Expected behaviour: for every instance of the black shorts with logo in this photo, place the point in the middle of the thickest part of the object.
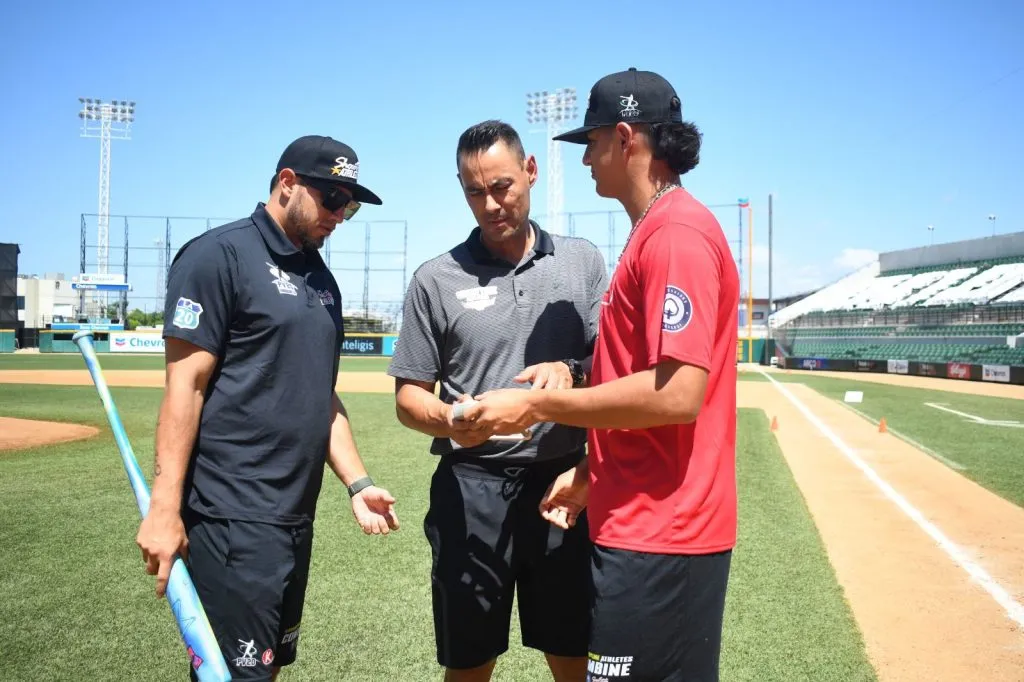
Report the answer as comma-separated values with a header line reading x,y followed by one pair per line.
x,y
251,579
488,540
656,617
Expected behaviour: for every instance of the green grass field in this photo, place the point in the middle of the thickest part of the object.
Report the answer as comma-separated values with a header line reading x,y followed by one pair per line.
x,y
77,603
989,455
147,361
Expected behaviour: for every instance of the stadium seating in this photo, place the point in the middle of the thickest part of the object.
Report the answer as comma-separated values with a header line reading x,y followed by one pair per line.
x,y
999,329
922,352
940,314
993,282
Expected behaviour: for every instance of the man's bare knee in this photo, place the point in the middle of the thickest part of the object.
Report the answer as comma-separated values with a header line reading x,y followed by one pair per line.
x,y
567,668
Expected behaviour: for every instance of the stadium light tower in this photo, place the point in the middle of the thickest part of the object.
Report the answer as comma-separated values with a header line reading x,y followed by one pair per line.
x,y
555,109
107,121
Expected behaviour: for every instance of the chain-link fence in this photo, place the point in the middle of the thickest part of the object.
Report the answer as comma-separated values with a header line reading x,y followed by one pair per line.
x,y
368,258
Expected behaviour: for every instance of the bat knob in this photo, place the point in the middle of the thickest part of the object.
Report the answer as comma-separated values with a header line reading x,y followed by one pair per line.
x,y
459,409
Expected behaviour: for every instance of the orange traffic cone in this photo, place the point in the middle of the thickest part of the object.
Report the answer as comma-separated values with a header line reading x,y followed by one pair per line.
x,y
775,424
882,428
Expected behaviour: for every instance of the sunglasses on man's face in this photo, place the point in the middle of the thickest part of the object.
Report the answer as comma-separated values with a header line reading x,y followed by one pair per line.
x,y
334,198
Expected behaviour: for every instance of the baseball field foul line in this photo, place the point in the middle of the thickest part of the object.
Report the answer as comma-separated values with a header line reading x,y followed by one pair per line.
x,y
1014,610
907,439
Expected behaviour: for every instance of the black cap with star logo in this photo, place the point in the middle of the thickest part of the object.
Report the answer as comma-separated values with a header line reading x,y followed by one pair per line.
x,y
324,158
629,96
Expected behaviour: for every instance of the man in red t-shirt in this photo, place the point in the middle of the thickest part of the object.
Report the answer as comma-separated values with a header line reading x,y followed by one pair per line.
x,y
661,407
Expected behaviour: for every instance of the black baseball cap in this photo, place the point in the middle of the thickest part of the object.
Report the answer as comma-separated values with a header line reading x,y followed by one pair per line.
x,y
629,96
326,159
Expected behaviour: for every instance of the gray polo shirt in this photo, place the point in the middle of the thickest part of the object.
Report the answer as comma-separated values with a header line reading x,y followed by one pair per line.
x,y
475,321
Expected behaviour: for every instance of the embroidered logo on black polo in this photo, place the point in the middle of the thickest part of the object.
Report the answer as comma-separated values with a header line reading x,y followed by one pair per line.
x,y
282,281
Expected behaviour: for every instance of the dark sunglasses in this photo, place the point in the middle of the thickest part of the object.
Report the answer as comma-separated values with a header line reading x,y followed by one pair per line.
x,y
333,197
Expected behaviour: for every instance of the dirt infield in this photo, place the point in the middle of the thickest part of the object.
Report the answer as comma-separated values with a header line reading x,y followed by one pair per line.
x,y
17,434
354,382
921,614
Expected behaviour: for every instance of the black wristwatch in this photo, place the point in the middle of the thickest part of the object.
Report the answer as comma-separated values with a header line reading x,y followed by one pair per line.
x,y
359,485
579,375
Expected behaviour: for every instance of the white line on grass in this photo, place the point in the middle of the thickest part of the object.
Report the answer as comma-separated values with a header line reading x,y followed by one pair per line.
x,y
976,419
907,439
1013,608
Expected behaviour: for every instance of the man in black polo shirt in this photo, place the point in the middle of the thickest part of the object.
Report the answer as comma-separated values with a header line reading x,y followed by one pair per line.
x,y
512,306
253,333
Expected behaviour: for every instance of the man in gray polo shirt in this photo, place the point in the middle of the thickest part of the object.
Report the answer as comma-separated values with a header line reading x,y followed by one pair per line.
x,y
512,306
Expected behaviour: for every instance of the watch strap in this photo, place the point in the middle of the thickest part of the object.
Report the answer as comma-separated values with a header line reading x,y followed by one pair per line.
x,y
359,485
576,370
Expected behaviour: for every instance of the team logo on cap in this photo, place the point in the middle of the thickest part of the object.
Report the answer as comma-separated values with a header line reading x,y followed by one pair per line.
x,y
630,107
677,311
345,169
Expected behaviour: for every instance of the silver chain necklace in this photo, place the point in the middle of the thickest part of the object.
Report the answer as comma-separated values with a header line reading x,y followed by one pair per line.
x,y
661,192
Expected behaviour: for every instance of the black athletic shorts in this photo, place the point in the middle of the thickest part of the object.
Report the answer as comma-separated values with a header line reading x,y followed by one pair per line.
x,y
251,579
656,617
487,540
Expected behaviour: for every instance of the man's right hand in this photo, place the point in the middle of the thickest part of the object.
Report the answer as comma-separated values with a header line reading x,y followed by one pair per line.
x,y
466,433
161,537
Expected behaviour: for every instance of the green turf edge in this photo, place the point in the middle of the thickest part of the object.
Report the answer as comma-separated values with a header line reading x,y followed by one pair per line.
x,y
786,616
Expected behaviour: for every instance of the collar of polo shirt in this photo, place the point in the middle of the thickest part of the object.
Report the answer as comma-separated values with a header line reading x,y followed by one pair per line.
x,y
273,235
542,244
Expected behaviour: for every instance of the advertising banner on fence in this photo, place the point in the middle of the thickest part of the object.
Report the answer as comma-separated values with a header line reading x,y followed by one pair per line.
x,y
369,344
928,369
361,345
899,367
958,370
865,365
813,363
995,373
135,342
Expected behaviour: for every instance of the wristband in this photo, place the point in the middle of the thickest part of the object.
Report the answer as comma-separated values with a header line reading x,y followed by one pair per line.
x,y
359,485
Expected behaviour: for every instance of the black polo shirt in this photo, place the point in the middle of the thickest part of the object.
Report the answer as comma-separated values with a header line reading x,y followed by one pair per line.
x,y
271,313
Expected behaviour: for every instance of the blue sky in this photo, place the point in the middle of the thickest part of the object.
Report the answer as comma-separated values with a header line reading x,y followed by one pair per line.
x,y
867,121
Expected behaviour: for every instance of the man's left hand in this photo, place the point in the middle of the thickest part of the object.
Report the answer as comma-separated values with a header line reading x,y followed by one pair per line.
x,y
504,411
549,375
374,509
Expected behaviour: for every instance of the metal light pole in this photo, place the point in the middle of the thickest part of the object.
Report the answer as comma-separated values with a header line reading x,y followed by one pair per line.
x,y
107,121
931,234
161,274
992,219
555,108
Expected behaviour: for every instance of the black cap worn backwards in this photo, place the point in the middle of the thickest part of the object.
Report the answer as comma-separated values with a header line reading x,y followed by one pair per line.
x,y
629,97
326,159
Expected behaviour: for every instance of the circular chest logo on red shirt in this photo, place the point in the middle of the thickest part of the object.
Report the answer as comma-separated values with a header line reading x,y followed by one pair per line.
x,y
678,310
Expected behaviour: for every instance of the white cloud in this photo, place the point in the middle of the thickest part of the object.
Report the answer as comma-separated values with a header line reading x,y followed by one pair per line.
x,y
852,259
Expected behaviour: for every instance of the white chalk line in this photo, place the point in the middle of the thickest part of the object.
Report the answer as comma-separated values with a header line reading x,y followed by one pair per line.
x,y
975,418
1014,610
907,439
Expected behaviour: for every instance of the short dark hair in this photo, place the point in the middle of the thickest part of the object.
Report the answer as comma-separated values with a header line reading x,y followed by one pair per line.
x,y
482,136
273,183
677,144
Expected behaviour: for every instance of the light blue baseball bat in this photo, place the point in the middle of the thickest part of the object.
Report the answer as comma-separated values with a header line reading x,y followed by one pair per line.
x,y
204,653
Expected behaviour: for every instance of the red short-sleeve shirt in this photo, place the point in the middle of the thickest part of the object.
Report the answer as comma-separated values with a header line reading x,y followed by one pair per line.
x,y
674,295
